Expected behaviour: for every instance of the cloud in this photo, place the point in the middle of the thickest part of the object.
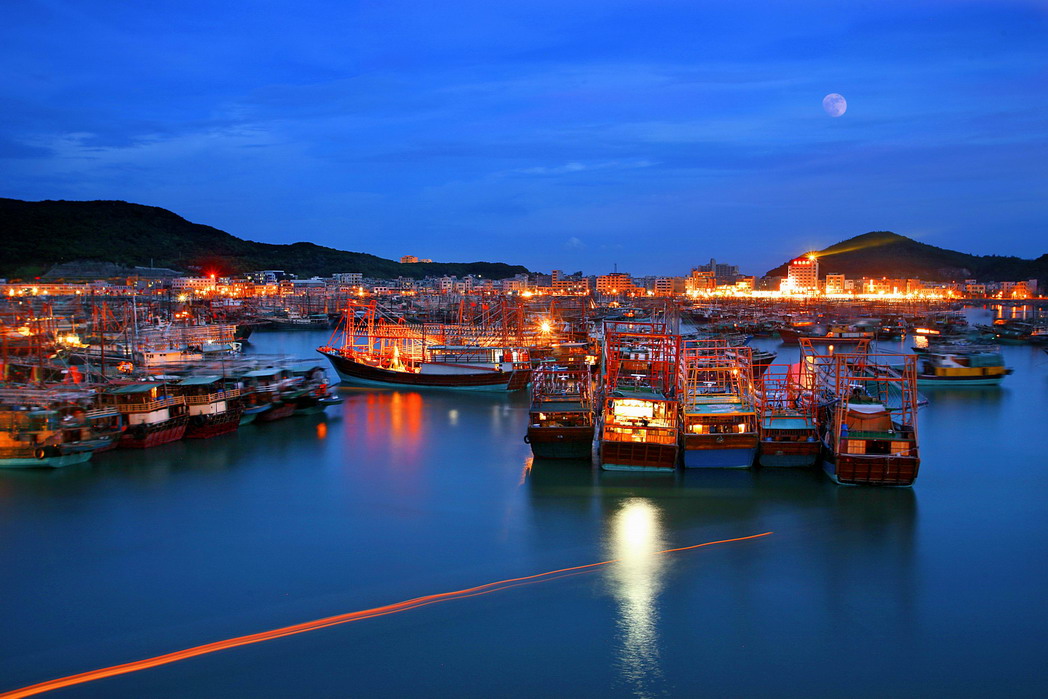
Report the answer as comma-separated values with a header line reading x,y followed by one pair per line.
x,y
573,243
575,166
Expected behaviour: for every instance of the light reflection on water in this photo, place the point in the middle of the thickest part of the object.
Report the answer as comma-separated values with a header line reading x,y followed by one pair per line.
x,y
634,537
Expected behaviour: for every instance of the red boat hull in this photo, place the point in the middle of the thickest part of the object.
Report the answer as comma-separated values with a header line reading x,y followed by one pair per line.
x,y
355,373
154,435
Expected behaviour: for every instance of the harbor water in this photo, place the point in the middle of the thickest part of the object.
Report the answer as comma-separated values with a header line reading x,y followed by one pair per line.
x,y
395,495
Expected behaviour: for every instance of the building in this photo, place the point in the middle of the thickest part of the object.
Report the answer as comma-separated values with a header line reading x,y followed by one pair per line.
x,y
614,283
835,283
350,278
700,280
803,275
721,272
408,260
669,286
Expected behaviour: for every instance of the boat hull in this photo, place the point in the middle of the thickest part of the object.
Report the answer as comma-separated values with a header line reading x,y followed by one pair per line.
x,y
276,412
214,426
561,442
789,454
959,380
792,337
357,374
638,456
846,469
48,461
720,451
154,435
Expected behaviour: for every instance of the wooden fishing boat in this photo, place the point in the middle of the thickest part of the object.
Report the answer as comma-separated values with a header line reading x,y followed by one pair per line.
x,y
640,414
789,435
868,417
838,334
719,415
214,408
381,352
560,424
48,428
152,413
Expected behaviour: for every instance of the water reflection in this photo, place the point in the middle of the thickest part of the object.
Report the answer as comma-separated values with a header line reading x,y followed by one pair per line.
x,y
635,535
390,418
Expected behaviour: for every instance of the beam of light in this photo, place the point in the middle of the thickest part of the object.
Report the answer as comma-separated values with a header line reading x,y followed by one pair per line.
x,y
407,605
865,245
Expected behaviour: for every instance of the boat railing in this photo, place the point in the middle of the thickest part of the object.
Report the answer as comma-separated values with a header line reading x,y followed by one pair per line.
x,y
152,405
213,397
98,413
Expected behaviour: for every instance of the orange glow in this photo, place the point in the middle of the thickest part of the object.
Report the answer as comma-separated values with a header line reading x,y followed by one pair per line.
x,y
321,430
407,605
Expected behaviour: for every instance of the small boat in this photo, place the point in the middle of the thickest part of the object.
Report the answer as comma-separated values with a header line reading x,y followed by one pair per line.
x,y
560,424
316,393
269,393
957,366
42,428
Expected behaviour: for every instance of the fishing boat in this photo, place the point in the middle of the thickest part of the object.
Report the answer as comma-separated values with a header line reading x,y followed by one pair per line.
x,y
789,435
719,415
560,424
639,421
269,393
316,392
42,428
868,417
383,352
214,408
973,365
839,334
153,414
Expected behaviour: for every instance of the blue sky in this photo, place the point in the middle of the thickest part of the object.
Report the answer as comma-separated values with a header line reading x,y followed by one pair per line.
x,y
575,135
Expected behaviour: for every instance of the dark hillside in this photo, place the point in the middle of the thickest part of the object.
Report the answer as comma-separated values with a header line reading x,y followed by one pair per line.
x,y
37,235
885,254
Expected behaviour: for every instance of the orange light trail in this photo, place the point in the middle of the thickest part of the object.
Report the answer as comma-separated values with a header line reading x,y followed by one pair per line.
x,y
407,605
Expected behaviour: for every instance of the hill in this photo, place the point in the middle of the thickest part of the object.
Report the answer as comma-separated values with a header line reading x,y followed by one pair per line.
x,y
886,254
34,236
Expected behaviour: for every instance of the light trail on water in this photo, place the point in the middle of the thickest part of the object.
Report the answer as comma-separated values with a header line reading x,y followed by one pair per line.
x,y
407,605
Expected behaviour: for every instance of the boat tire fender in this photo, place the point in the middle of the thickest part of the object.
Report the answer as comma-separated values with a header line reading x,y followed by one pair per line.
x,y
527,439
40,453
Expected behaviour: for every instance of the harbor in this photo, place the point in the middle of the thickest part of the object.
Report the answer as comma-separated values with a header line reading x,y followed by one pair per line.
x,y
398,493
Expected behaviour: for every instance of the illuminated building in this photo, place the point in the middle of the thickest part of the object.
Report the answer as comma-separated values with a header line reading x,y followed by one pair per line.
x,y
614,283
835,283
701,280
803,274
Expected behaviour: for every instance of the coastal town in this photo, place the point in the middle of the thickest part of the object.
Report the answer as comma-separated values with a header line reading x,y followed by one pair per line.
x,y
807,277
637,374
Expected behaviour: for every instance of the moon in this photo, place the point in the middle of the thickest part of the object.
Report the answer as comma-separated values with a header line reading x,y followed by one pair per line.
x,y
834,104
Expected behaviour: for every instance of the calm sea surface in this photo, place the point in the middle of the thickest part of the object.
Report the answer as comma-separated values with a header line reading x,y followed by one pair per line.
x,y
931,591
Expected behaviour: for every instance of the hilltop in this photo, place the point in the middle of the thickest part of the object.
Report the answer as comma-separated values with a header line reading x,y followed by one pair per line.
x,y
34,236
886,254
